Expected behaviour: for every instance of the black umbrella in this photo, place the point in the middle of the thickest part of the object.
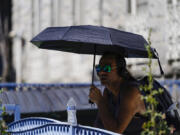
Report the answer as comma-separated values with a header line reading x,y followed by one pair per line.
x,y
95,40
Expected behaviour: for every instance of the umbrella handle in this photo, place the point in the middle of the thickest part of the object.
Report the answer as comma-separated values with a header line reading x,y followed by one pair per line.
x,y
94,59
90,102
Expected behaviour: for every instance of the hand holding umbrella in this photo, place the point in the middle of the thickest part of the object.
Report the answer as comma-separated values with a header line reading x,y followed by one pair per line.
x,y
95,95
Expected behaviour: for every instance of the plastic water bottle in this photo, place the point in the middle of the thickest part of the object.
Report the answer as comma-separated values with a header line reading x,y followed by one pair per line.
x,y
71,111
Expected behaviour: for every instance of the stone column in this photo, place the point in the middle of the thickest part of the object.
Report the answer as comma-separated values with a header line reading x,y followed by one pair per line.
x,y
133,7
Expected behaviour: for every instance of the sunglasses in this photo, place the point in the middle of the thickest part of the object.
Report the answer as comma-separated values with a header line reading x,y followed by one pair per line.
x,y
105,68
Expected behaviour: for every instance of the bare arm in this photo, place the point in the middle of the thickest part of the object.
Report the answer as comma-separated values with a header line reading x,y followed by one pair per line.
x,y
98,119
127,109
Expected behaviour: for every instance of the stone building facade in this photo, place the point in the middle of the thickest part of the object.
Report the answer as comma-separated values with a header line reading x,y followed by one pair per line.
x,y
138,16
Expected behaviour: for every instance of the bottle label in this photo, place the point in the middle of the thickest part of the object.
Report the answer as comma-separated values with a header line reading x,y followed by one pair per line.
x,y
71,107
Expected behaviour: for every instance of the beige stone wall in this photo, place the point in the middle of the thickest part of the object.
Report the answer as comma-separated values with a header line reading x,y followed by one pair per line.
x,y
44,66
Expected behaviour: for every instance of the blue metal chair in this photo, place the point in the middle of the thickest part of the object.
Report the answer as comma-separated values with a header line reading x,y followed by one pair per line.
x,y
48,129
44,126
29,123
11,108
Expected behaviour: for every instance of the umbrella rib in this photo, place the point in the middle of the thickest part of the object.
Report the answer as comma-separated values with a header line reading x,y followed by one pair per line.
x,y
66,32
110,36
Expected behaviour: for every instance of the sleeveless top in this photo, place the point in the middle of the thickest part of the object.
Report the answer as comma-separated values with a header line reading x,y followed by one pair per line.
x,y
135,126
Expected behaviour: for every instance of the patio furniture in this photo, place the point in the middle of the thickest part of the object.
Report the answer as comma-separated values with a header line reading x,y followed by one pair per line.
x,y
29,123
45,126
11,108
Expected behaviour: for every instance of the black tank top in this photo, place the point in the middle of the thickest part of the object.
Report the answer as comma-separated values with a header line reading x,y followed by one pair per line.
x,y
135,126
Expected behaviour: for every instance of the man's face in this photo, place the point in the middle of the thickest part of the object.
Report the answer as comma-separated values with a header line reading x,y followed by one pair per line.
x,y
106,77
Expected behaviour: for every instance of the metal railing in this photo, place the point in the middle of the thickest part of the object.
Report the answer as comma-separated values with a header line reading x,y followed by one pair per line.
x,y
171,86
20,86
25,86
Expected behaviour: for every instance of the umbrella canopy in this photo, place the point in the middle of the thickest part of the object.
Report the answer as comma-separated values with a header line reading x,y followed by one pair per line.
x,y
89,39
97,40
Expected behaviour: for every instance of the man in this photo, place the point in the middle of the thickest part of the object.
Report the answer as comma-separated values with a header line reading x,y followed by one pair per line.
x,y
120,108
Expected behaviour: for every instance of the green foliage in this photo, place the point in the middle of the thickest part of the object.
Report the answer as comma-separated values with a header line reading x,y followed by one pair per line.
x,y
156,124
3,126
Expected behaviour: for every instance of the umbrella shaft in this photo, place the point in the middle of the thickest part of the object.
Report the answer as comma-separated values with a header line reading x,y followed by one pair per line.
x,y
94,60
93,69
92,83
